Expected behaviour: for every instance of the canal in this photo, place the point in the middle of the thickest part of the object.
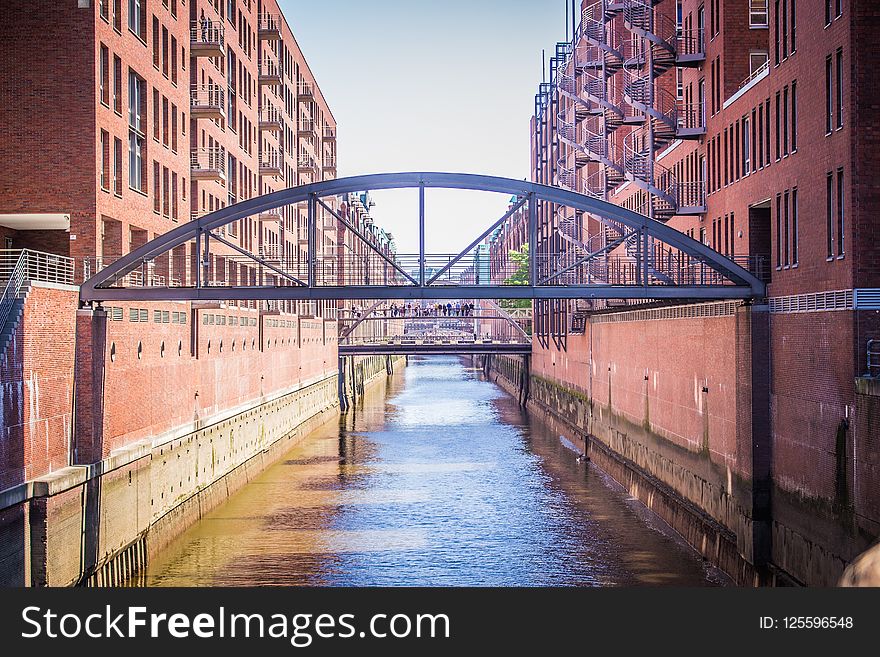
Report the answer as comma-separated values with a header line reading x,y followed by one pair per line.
x,y
436,478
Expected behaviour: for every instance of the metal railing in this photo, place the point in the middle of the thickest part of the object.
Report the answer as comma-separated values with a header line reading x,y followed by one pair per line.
x,y
304,88
329,132
269,69
270,114
207,96
269,22
207,33
39,266
757,73
19,266
208,159
306,161
329,161
873,357
271,159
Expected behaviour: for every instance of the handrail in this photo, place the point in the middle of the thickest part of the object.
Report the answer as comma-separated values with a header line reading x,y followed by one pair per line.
x,y
873,351
12,290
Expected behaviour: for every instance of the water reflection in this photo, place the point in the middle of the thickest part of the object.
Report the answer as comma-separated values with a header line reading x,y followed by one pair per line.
x,y
437,478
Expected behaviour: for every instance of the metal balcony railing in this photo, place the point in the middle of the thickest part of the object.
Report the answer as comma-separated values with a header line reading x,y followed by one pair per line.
x,y
306,161
269,26
271,117
207,98
329,132
271,160
304,89
269,72
307,125
207,37
208,160
329,161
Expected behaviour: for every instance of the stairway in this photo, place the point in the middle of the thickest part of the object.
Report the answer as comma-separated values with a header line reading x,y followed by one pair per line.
x,y
7,331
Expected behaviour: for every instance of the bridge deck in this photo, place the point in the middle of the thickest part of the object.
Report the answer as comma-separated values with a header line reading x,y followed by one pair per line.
x,y
444,347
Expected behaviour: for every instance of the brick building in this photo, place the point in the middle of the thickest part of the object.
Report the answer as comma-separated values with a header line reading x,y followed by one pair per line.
x,y
748,125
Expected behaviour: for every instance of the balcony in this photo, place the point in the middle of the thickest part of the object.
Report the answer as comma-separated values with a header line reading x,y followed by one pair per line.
x,y
329,132
691,197
271,163
207,39
208,163
271,119
207,101
305,163
304,90
307,128
270,74
329,161
272,214
269,27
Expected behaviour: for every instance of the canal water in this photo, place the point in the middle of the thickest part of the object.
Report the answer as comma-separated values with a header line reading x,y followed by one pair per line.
x,y
436,478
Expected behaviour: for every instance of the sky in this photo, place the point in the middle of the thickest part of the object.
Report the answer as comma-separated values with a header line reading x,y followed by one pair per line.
x,y
447,85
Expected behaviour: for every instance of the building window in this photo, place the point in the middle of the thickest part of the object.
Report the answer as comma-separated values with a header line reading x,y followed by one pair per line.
x,y
840,249
117,15
157,189
838,8
746,151
794,111
701,28
166,189
776,33
174,127
829,99
156,57
778,231
785,121
757,13
104,75
117,85
137,90
117,166
173,196
793,24
778,150
786,244
784,29
767,157
757,59
794,228
105,160
165,58
827,13
829,214
104,10
137,19
839,96
758,135
165,121
173,61
157,113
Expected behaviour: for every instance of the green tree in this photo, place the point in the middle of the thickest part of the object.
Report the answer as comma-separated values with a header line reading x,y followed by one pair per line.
x,y
519,277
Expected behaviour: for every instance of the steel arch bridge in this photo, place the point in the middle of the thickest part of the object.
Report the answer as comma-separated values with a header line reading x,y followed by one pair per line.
x,y
644,259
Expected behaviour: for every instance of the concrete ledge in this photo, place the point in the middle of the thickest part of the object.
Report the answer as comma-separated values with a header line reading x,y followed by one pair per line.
x,y
61,480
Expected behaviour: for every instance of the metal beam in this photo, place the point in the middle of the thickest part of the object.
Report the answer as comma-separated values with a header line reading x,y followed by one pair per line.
x,y
313,240
257,259
354,230
326,293
482,236
367,313
579,202
421,234
438,348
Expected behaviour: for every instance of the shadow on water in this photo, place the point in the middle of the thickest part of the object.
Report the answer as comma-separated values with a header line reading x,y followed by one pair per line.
x,y
435,477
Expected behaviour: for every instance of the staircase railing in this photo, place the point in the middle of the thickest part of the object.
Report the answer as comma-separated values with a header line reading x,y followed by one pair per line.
x,y
12,289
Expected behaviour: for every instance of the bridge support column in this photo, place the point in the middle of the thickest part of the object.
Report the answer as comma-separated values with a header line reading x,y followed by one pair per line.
x,y
524,380
754,444
389,366
91,342
340,385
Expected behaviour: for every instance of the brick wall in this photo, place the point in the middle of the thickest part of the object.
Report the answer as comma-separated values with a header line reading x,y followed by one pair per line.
x,y
37,388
